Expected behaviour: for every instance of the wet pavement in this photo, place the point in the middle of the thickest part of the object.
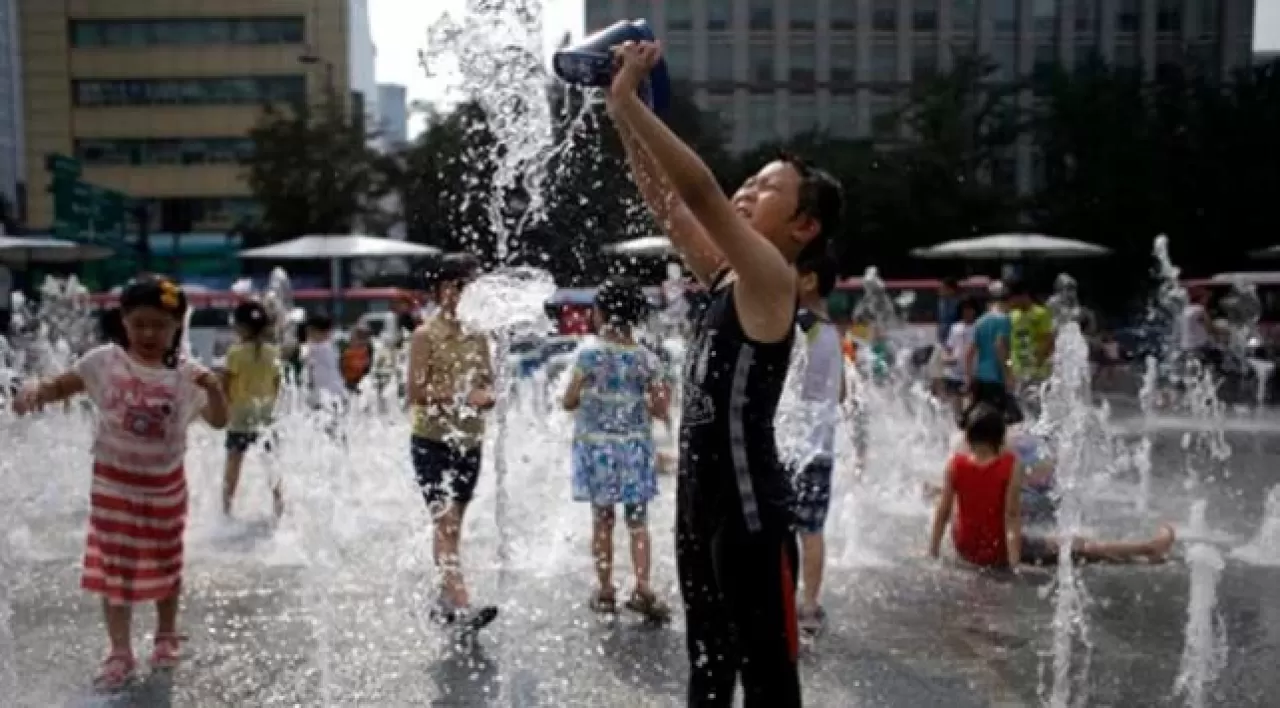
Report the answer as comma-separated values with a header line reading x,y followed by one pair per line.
x,y
330,608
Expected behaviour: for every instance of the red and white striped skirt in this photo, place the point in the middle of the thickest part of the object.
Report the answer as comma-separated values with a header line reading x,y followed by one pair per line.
x,y
136,522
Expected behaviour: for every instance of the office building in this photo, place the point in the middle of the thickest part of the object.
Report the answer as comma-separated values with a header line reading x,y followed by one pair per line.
x,y
156,97
363,56
771,68
12,177
393,106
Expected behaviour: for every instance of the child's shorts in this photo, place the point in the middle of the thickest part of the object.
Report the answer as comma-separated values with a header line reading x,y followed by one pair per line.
x,y
241,440
447,474
812,495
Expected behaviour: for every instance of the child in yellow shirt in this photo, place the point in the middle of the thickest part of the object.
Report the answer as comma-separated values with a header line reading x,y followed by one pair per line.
x,y
251,379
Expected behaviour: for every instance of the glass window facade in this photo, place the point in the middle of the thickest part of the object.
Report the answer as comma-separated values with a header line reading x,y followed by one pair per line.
x,y
679,57
802,116
843,120
1044,17
924,59
760,15
804,14
187,32
1088,15
803,62
1128,15
212,91
924,15
760,63
679,15
843,15
1004,15
964,16
1210,16
121,152
1169,16
844,60
719,14
761,124
884,62
207,212
720,60
884,15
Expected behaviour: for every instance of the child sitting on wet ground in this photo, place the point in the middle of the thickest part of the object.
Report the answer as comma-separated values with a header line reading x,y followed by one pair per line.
x,y
616,391
985,481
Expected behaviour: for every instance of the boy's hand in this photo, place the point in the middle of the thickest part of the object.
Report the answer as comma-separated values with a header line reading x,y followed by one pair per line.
x,y
481,398
28,399
634,61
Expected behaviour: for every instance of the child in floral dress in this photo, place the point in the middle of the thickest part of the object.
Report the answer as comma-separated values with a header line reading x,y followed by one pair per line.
x,y
616,391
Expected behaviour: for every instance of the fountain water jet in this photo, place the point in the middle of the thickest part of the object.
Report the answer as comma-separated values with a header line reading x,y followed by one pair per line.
x,y
1204,652
1067,414
1264,547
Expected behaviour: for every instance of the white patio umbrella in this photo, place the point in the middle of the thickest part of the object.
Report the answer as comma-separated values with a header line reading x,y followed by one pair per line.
x,y
337,248
24,250
643,247
1012,246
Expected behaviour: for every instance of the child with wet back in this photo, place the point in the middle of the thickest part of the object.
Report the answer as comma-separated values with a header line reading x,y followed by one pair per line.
x,y
985,481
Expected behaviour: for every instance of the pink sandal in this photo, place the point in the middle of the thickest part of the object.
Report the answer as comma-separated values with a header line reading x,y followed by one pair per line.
x,y
167,651
116,671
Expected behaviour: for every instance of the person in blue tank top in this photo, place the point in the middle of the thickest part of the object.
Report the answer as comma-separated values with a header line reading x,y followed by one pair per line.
x,y
987,371
735,539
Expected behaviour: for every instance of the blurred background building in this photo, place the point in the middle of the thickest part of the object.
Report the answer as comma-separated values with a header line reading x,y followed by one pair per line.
x,y
12,160
774,68
155,98
393,108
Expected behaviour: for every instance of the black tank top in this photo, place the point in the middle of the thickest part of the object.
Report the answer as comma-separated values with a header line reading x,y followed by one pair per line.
x,y
729,466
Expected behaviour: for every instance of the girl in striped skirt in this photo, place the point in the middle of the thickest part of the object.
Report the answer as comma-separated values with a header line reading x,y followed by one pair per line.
x,y
146,398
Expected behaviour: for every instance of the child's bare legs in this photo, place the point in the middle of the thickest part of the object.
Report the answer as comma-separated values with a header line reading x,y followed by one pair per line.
x,y
231,478
813,554
118,619
1154,549
167,615
638,526
447,557
602,549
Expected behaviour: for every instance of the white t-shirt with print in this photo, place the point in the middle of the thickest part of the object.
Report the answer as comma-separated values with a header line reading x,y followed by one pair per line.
x,y
959,339
143,411
323,371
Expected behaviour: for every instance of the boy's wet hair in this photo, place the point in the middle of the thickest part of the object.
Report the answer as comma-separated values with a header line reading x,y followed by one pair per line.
x,y
319,322
984,425
822,265
821,197
162,294
622,302
252,317
456,268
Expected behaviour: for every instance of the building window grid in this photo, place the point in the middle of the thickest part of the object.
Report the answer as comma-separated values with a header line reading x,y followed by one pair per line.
x,y
842,15
191,32
131,152
719,15
1169,19
924,16
842,116
1004,15
761,60
884,16
1128,16
208,91
803,62
843,69
803,14
964,17
760,17
720,60
802,113
679,15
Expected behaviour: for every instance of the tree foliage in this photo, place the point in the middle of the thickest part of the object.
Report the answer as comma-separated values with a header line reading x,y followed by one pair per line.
x,y
313,172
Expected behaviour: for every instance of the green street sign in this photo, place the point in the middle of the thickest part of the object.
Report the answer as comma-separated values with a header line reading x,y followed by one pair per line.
x,y
62,165
81,211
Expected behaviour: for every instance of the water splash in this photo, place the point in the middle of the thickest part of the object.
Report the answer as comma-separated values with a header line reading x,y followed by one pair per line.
x,y
1067,414
1204,653
1147,399
497,52
1264,547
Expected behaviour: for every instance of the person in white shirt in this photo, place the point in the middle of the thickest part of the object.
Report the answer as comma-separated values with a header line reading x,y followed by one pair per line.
x,y
327,393
959,338
1196,330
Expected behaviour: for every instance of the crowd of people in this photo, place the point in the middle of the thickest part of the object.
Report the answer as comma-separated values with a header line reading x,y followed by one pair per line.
x,y
750,513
